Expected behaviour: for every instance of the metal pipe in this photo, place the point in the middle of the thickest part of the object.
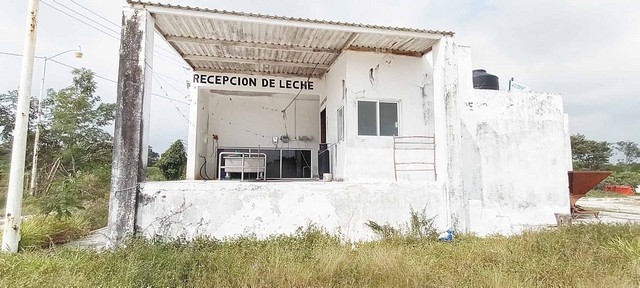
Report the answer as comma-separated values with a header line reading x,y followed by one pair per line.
x,y
11,232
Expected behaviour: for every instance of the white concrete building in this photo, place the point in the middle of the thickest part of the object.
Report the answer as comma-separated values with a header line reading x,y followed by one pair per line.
x,y
390,113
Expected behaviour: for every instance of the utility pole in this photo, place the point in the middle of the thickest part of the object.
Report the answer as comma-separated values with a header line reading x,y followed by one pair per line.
x,y
33,186
11,232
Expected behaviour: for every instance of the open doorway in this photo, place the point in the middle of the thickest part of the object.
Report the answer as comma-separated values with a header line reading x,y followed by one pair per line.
x,y
323,152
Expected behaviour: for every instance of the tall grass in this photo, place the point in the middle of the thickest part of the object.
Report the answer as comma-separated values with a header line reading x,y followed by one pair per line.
x,y
594,255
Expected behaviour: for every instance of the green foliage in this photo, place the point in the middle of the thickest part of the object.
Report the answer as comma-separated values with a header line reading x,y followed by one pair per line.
x,y
589,154
154,174
8,103
594,255
63,198
629,150
153,157
42,232
173,162
76,117
598,193
629,178
419,226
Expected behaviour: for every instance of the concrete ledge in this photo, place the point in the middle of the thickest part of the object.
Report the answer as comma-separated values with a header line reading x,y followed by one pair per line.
x,y
227,209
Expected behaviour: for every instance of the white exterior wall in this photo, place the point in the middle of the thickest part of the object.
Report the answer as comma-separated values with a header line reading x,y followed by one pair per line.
x,y
502,157
335,98
400,79
515,160
199,138
229,209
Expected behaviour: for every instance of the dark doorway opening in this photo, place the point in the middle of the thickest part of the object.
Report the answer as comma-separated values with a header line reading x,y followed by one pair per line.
x,y
323,152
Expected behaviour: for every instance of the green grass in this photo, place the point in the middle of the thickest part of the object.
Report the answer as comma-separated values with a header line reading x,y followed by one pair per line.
x,y
604,194
154,174
594,255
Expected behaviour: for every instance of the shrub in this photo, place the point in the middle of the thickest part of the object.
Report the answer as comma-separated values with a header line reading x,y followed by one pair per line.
x,y
42,231
63,199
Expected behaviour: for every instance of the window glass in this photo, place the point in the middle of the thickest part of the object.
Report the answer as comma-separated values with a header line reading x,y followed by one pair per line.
x,y
367,118
388,119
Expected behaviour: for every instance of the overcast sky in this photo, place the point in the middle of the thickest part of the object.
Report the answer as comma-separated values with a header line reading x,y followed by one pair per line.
x,y
588,51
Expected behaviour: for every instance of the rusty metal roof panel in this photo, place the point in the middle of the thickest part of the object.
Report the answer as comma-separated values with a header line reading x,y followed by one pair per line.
x,y
145,3
219,43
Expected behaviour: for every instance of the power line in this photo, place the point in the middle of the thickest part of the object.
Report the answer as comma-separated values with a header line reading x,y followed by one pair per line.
x,y
12,54
113,81
174,87
94,27
107,79
157,52
87,17
94,13
171,100
94,74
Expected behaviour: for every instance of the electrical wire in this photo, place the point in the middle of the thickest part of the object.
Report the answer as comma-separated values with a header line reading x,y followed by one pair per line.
x,y
82,21
284,111
88,18
94,13
169,84
171,100
116,34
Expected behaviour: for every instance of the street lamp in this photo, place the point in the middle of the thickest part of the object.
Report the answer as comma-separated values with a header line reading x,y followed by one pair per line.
x,y
34,167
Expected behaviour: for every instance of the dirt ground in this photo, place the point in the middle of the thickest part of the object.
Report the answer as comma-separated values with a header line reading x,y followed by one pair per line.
x,y
612,210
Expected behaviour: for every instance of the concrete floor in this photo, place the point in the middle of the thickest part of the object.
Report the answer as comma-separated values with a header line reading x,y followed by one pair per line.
x,y
612,210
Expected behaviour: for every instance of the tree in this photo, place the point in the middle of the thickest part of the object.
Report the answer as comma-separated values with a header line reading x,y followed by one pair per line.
x,y
629,149
589,154
152,157
76,118
8,104
173,162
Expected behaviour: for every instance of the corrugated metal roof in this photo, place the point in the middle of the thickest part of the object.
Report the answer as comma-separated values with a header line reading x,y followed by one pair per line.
x,y
228,41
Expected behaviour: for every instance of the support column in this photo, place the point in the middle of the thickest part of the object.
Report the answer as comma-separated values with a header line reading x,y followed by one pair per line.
x,y
192,138
448,132
131,132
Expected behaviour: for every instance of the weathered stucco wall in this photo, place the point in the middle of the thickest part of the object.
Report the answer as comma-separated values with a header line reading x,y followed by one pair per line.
x,y
515,160
335,95
392,78
229,209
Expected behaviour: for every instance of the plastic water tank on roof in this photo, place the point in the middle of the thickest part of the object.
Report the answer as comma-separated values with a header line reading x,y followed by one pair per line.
x,y
484,80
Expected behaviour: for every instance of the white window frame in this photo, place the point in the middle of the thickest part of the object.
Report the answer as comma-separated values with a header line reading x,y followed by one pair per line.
x,y
397,102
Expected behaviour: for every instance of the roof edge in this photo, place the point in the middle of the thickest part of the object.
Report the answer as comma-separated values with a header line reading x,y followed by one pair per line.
x,y
144,4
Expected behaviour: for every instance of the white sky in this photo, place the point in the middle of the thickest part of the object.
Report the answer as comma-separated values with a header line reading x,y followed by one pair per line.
x,y
588,51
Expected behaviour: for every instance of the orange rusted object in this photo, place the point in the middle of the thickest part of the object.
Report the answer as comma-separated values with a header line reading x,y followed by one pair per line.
x,y
620,189
580,182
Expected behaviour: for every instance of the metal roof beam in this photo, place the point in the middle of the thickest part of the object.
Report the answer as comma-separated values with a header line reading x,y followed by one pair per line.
x,y
216,42
390,51
317,74
255,61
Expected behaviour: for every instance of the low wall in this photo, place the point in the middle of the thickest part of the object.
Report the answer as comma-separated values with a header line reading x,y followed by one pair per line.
x,y
516,159
228,209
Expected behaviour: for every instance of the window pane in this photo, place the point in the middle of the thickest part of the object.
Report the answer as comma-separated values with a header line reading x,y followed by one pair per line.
x,y
367,118
388,119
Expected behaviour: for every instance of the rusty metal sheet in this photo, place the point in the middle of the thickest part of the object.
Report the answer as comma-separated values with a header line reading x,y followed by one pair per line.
x,y
193,35
580,182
